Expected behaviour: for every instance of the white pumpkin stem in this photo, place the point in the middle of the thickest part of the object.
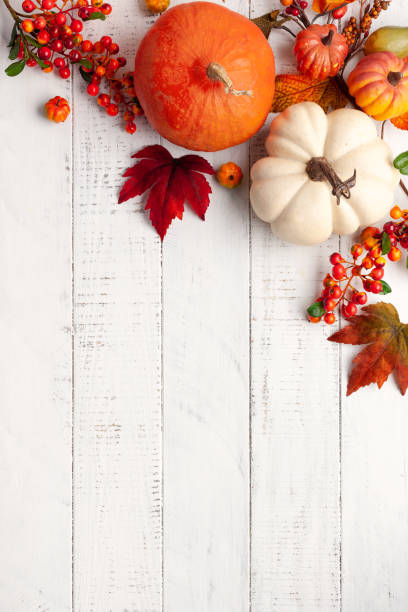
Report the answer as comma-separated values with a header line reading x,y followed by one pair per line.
x,y
216,72
319,169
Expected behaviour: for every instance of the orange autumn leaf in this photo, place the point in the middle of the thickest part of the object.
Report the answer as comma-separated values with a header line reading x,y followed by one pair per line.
x,y
401,122
322,6
293,88
387,347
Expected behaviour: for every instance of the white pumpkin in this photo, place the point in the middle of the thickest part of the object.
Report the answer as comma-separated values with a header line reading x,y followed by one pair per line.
x,y
305,210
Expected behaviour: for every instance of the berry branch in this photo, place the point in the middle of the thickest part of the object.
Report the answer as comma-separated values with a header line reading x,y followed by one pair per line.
x,y
49,36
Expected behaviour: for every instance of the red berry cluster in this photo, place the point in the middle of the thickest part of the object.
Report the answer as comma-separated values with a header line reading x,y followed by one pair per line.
x,y
294,7
48,34
367,265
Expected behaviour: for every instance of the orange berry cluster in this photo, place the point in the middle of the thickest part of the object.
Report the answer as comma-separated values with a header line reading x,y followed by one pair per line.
x,y
48,35
367,265
353,32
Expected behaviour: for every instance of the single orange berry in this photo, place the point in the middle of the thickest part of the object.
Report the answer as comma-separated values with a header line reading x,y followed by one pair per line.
x,y
286,2
329,318
405,213
396,212
97,3
314,319
380,261
77,39
394,254
368,232
157,6
356,250
375,252
369,243
81,3
100,71
57,109
48,67
367,263
329,281
27,25
229,175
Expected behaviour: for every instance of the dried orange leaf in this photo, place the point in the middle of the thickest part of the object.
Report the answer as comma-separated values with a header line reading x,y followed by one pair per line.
x,y
322,6
401,122
387,347
293,88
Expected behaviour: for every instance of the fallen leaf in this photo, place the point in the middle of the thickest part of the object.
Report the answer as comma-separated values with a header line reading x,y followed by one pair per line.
x,y
387,338
171,181
269,21
323,6
293,88
401,122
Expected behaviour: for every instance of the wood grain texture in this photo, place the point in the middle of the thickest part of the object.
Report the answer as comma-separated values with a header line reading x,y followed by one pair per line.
x,y
117,391
295,418
35,356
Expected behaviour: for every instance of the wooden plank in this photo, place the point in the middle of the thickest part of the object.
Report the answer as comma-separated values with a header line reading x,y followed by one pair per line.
x,y
117,424
295,419
375,458
35,356
206,391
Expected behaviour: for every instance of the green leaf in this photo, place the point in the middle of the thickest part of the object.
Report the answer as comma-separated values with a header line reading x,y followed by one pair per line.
x,y
385,288
385,244
269,21
316,309
86,63
16,68
87,76
13,35
406,263
39,61
96,15
401,162
33,41
15,49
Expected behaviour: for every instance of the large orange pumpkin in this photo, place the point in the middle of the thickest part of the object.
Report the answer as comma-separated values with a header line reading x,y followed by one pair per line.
x,y
379,84
204,76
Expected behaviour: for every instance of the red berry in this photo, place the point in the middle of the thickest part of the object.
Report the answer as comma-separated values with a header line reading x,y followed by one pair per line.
x,y
340,12
295,11
48,4
54,31
329,318
28,6
404,241
106,41
130,127
338,271
44,53
40,23
113,49
376,287
336,292
103,100
112,109
75,55
106,9
329,304
367,284
43,37
349,310
377,273
389,227
122,61
86,46
59,63
288,10
84,13
393,239
31,62
76,25
57,45
95,79
93,89
336,258
303,4
361,298
65,73
60,19
356,250
68,43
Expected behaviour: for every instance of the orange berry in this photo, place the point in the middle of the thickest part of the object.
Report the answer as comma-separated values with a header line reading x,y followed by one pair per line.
x,y
356,250
375,252
368,232
314,319
286,2
367,263
97,3
137,110
329,281
394,254
369,243
405,213
380,261
396,212
229,175
77,39
27,25
329,318
100,71
157,6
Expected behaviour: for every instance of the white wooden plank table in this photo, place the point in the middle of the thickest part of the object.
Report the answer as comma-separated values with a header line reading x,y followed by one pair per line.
x,y
174,437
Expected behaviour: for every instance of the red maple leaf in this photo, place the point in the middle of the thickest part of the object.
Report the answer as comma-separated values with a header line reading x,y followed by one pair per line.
x,y
387,338
171,181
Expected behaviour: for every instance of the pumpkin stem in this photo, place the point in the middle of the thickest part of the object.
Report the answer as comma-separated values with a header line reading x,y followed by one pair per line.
x,y
319,169
326,40
216,72
394,78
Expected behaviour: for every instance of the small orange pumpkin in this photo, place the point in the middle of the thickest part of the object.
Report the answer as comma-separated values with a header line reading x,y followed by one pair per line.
x,y
57,109
320,51
205,76
379,84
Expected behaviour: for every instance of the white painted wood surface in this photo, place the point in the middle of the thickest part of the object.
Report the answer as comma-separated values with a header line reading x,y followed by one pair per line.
x,y
174,436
